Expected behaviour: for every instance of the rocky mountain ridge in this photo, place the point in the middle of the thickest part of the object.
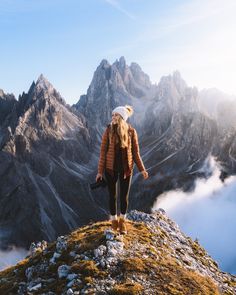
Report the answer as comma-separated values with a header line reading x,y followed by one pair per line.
x,y
45,148
155,257
49,150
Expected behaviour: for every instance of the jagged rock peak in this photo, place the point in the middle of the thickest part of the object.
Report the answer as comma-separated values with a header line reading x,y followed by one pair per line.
x,y
1,92
43,83
174,79
104,64
176,75
135,67
178,80
139,75
121,62
6,96
40,90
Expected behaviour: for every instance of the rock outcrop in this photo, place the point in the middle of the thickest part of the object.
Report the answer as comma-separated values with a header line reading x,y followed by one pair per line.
x,y
155,257
7,102
113,85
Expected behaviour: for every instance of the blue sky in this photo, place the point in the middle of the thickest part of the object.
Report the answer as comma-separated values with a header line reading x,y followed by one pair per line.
x,y
66,40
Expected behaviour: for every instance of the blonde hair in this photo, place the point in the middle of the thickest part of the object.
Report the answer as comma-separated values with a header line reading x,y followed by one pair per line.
x,y
122,129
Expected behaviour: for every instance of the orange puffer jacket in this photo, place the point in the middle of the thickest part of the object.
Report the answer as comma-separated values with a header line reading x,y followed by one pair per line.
x,y
107,152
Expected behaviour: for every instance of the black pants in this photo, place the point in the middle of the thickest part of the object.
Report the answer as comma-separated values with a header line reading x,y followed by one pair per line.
x,y
124,191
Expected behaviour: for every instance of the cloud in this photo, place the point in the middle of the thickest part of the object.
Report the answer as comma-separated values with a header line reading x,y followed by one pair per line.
x,y
207,213
11,256
118,7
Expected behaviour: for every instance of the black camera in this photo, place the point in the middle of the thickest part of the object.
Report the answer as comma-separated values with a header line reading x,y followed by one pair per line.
x,y
100,183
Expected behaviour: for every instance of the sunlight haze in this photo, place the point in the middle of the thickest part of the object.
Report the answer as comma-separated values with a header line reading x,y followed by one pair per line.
x,y
66,41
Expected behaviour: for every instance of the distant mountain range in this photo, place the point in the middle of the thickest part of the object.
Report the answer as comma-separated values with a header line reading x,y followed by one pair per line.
x,y
49,149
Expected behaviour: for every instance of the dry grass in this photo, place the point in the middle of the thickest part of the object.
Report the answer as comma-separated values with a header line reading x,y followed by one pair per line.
x,y
127,289
167,276
135,264
86,267
174,279
164,273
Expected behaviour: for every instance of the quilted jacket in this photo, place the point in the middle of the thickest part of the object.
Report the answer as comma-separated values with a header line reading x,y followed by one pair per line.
x,y
107,153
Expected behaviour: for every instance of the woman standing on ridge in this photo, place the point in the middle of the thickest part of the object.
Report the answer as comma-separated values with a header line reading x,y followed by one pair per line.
x,y
118,152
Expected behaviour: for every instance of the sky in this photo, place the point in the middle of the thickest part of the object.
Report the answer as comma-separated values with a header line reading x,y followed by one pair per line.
x,y
65,40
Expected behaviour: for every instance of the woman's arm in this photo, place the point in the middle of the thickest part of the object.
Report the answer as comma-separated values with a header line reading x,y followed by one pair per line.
x,y
102,158
136,153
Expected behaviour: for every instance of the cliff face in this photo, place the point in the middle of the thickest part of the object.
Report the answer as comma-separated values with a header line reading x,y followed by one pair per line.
x,y
155,257
113,85
222,108
175,136
176,139
7,101
44,168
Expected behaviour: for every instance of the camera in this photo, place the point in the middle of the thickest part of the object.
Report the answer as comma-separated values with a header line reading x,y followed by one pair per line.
x,y
100,183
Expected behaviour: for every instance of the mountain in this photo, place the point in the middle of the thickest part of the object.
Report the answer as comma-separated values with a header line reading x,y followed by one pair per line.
x,y
211,99
177,139
168,119
222,108
155,257
49,150
44,168
7,102
113,85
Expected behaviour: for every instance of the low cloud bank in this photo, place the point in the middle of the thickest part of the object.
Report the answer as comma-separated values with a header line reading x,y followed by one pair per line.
x,y
208,214
11,257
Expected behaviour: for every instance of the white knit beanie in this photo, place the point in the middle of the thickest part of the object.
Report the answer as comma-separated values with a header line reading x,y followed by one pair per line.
x,y
125,111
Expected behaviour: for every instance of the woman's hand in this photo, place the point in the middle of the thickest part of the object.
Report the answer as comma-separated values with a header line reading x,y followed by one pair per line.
x,y
145,174
99,176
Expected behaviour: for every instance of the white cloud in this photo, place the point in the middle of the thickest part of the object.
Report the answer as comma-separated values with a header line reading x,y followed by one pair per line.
x,y
207,213
11,257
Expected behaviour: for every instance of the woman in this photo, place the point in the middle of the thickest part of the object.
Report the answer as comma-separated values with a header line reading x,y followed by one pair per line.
x,y
119,150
